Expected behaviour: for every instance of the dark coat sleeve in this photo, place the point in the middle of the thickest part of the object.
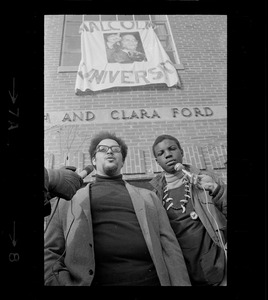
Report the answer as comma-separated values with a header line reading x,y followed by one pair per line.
x,y
219,197
47,205
56,272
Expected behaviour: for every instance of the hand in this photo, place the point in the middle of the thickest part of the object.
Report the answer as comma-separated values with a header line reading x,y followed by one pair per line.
x,y
204,181
64,182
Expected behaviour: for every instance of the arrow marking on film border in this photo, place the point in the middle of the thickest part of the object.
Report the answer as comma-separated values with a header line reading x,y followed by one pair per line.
x,y
14,242
13,96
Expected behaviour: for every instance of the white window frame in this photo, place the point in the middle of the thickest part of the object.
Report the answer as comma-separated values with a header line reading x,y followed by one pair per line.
x,y
178,65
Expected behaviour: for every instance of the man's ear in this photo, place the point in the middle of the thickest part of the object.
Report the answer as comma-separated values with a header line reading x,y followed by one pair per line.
x,y
93,161
182,153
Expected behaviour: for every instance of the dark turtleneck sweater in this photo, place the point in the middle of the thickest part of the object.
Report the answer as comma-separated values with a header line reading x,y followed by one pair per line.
x,y
121,254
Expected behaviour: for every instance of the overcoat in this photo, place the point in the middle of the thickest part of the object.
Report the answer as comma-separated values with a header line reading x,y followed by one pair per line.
x,y
212,212
69,245
214,219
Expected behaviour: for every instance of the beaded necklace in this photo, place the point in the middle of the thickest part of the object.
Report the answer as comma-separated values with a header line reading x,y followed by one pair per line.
x,y
187,197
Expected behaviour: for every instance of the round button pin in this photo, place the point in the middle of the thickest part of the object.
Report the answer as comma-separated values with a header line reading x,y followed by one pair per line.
x,y
193,215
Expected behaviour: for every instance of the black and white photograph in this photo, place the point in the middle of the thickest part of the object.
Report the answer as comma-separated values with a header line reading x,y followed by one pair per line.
x,y
153,209
118,131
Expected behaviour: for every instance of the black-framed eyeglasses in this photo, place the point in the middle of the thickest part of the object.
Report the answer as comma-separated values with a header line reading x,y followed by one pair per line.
x,y
105,148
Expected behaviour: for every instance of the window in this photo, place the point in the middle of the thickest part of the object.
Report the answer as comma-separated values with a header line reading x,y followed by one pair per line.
x,y
71,54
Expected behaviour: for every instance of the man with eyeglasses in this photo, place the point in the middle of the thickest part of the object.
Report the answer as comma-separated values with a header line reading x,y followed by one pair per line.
x,y
112,233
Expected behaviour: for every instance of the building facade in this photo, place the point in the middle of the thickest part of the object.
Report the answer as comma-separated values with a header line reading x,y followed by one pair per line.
x,y
195,112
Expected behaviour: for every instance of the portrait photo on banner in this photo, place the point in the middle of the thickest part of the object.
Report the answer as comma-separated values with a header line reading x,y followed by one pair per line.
x,y
124,47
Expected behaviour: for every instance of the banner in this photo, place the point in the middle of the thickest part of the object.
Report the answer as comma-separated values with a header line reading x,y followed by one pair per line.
x,y
119,54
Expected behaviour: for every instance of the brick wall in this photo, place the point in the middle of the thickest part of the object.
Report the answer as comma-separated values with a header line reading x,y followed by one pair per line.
x,y
201,44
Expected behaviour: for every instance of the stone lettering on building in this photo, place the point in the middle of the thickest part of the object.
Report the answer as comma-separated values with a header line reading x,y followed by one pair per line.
x,y
117,115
